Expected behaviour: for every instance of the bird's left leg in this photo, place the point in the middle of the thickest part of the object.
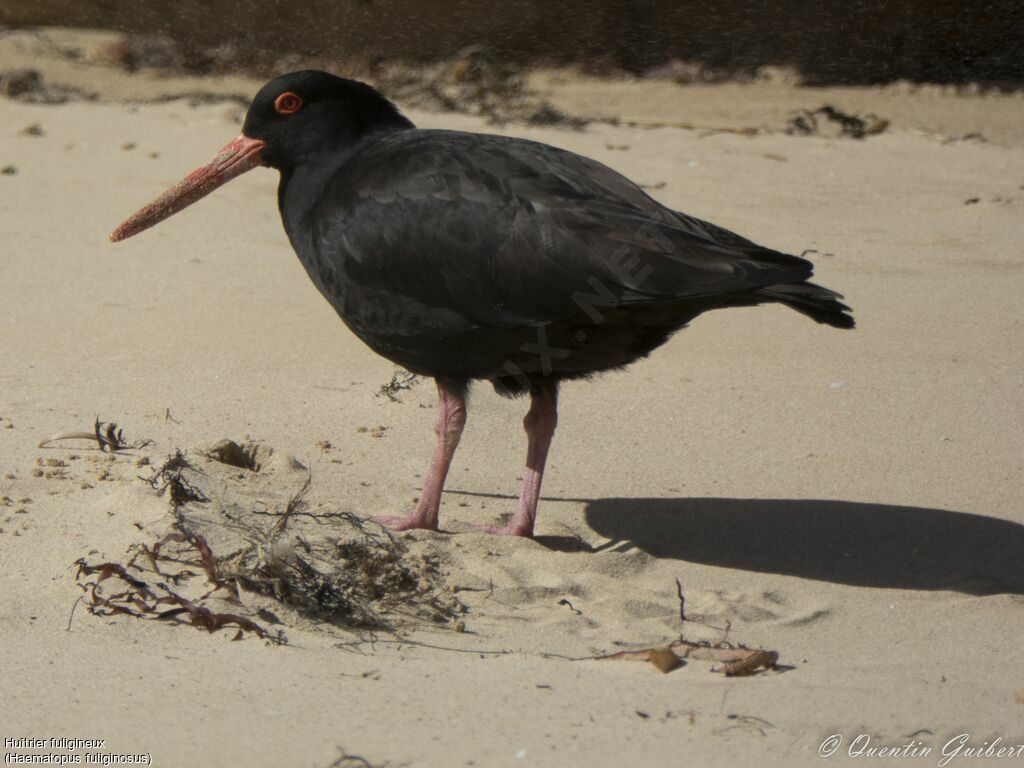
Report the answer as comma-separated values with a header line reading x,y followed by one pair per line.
x,y
540,423
451,420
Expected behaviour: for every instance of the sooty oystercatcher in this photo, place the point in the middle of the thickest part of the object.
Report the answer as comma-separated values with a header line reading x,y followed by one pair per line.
x,y
465,256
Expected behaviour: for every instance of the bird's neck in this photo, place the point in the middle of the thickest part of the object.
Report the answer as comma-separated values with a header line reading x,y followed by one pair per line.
x,y
297,194
302,183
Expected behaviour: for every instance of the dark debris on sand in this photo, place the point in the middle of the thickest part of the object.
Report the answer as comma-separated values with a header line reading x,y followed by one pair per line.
x,y
245,546
832,122
29,85
270,539
475,81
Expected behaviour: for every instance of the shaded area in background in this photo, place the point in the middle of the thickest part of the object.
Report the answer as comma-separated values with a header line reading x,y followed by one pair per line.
x,y
844,542
947,41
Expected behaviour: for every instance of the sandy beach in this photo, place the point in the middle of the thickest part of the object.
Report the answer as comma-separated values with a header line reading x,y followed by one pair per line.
x,y
851,500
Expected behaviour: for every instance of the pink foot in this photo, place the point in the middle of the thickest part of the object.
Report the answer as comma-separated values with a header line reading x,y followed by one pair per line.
x,y
511,528
451,419
408,523
540,427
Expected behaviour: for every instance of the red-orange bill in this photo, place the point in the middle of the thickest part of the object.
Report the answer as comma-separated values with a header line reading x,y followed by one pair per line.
x,y
236,158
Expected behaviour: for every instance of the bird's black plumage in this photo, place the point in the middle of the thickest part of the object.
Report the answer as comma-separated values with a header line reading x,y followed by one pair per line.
x,y
467,256
472,256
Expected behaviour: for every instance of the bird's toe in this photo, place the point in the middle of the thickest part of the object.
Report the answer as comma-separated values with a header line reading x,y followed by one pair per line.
x,y
509,529
407,523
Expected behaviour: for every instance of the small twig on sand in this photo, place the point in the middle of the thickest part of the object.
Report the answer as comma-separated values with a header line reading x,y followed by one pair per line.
x,y
399,381
71,616
351,761
682,600
294,503
641,122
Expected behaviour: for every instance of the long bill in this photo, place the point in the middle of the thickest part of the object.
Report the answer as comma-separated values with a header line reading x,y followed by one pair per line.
x,y
236,158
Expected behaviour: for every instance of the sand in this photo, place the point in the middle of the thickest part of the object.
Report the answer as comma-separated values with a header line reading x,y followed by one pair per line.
x,y
853,501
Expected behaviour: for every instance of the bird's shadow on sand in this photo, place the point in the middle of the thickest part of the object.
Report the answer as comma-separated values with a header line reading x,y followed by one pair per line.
x,y
845,542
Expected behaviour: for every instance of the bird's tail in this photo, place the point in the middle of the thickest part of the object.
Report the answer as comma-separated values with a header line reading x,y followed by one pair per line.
x,y
812,300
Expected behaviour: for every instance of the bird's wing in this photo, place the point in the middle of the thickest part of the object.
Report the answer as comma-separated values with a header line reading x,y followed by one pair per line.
x,y
509,232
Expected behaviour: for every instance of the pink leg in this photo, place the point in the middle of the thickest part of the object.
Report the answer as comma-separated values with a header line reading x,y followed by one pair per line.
x,y
451,419
540,425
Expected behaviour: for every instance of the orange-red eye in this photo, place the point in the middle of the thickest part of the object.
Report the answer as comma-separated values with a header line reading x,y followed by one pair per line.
x,y
288,103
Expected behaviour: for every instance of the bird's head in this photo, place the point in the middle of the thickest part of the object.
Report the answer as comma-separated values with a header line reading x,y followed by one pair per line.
x,y
294,119
304,114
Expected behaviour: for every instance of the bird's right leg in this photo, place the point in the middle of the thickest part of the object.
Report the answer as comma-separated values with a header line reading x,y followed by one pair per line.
x,y
451,420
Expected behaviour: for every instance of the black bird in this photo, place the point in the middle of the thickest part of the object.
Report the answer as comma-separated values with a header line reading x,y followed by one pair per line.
x,y
468,256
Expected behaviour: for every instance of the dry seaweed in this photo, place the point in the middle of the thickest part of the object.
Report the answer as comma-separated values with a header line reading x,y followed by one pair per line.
x,y
475,81
106,434
752,662
168,477
664,659
400,380
360,580
746,722
682,600
345,760
28,85
326,563
828,119
686,125
206,559
737,660
110,588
